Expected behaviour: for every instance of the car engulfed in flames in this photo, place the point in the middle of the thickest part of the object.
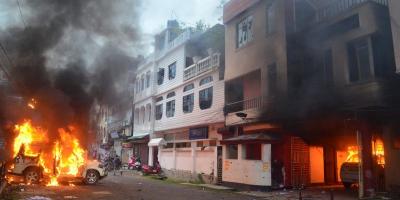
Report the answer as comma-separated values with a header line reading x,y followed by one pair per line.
x,y
38,158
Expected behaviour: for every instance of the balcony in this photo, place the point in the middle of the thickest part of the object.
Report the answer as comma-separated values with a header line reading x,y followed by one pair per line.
x,y
246,111
341,6
207,64
248,104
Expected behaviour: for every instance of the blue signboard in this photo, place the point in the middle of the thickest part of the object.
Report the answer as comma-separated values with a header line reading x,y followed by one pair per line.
x,y
198,133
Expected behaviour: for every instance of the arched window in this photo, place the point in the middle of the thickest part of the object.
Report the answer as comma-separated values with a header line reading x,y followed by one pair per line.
x,y
205,98
142,114
159,99
148,79
205,80
171,94
188,103
188,87
148,108
136,116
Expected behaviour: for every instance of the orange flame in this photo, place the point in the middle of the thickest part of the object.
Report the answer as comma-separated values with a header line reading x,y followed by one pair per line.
x,y
67,157
378,152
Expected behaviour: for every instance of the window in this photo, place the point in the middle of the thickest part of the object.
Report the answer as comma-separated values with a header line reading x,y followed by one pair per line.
x,y
244,31
171,94
159,111
270,19
188,87
359,61
208,79
159,99
136,116
212,143
182,145
148,108
172,71
205,98
170,108
188,103
272,79
142,115
148,79
142,84
252,151
232,151
169,146
328,66
160,78
199,143
137,86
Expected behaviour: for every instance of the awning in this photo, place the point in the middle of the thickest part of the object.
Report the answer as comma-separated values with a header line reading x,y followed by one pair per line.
x,y
255,137
156,142
138,137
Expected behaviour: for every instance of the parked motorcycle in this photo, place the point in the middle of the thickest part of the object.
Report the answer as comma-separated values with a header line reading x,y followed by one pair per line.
x,y
153,170
135,163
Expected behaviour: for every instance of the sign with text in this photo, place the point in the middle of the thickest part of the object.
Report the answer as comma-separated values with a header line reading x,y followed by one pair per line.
x,y
198,133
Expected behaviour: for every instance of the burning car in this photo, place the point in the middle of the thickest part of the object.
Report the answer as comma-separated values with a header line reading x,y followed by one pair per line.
x,y
62,161
349,171
30,169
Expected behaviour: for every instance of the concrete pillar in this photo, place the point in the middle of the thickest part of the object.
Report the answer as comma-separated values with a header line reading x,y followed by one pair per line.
x,y
151,155
194,155
392,156
174,156
367,162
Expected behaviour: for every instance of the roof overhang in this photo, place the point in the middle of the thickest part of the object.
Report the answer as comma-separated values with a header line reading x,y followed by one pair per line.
x,y
254,138
155,142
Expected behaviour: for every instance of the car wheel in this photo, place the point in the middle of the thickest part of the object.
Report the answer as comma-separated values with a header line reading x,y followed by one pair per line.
x,y
32,175
347,185
92,176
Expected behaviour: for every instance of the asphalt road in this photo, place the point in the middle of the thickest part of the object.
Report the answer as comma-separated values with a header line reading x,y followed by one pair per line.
x,y
125,187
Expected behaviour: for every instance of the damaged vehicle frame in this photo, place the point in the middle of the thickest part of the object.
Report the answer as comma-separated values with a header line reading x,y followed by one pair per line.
x,y
29,168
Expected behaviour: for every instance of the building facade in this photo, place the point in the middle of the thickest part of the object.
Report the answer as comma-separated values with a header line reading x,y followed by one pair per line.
x,y
179,101
306,80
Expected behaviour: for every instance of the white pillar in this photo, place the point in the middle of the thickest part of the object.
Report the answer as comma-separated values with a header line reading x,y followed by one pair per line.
x,y
151,149
194,155
174,156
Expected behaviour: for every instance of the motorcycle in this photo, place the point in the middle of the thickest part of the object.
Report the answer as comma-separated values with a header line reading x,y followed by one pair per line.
x,y
153,170
135,163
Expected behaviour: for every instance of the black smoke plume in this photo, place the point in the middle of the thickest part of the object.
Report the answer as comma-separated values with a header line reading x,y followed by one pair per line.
x,y
71,53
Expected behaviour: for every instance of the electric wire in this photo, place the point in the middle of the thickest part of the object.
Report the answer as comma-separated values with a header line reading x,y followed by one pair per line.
x,y
20,13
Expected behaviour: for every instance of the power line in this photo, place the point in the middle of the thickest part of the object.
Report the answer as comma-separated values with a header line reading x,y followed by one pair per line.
x,y
20,13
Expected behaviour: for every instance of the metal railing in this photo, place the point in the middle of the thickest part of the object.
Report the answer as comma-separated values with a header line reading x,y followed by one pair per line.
x,y
341,6
207,64
180,39
248,104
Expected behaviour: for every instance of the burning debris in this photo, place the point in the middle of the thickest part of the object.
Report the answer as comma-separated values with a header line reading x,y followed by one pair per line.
x,y
66,158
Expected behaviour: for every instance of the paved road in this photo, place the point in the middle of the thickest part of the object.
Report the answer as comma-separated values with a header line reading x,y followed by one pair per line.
x,y
129,187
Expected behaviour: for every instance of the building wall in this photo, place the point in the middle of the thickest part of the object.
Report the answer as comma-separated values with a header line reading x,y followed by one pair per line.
x,y
187,163
213,114
176,55
263,50
250,172
369,24
394,7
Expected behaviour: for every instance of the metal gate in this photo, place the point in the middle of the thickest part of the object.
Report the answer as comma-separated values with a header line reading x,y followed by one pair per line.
x,y
300,162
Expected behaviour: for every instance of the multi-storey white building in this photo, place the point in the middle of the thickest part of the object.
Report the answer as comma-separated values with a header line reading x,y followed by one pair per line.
x,y
179,100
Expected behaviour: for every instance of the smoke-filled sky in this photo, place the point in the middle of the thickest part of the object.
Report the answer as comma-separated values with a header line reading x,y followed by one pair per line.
x,y
153,15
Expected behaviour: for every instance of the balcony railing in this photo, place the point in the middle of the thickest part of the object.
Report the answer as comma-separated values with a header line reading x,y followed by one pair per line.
x,y
343,5
207,64
248,104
